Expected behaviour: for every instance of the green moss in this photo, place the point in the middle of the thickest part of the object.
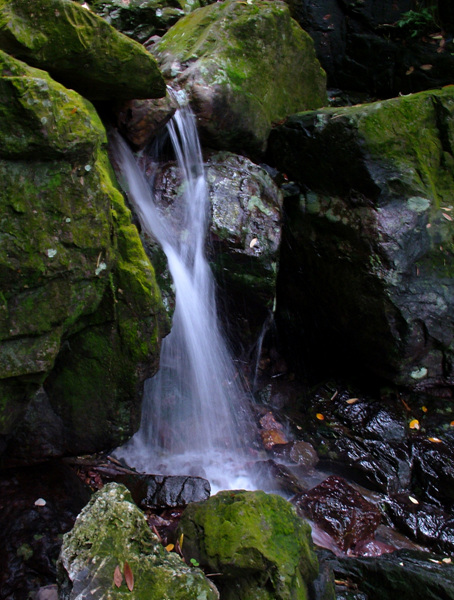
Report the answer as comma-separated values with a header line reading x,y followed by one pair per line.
x,y
251,535
79,49
112,530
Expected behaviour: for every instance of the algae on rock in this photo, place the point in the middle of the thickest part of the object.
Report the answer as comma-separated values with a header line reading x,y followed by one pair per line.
x,y
377,276
71,265
243,66
111,531
79,49
256,542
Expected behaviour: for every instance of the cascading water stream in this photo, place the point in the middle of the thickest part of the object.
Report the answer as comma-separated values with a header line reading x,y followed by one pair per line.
x,y
194,418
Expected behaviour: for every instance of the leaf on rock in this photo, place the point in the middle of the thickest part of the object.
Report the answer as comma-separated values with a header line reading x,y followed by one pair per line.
x,y
118,577
170,547
129,577
414,424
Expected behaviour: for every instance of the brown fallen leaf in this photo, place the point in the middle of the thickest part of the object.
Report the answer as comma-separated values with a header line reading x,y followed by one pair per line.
x,y
118,577
129,577
425,67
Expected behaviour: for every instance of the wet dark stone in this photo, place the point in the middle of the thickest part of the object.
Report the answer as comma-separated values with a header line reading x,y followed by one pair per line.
x,y
404,574
31,535
434,471
271,475
381,466
160,491
302,454
341,511
422,522
371,419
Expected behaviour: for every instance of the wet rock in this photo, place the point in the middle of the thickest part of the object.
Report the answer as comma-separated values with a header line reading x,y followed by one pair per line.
x,y
422,522
256,540
159,491
379,465
48,592
404,574
79,49
140,121
31,531
434,470
271,475
375,231
341,511
139,19
243,67
96,546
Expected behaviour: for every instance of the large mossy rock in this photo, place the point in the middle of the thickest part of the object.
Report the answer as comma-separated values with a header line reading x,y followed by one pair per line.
x,y
367,273
244,66
255,542
112,532
79,49
80,311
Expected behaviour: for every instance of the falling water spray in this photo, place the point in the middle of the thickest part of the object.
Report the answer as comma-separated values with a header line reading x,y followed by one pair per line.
x,y
194,415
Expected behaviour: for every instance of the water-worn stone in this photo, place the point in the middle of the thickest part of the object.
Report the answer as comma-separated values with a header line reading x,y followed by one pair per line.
x,y
78,294
341,511
112,532
422,522
404,574
255,540
139,19
366,276
79,49
243,66
434,470
160,491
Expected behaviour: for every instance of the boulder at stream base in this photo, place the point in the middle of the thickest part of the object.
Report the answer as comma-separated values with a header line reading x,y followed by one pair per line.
x,y
79,49
112,553
255,541
80,311
367,275
244,66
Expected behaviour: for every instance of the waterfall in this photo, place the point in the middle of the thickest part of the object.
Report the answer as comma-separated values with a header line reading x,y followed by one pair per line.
x,y
194,418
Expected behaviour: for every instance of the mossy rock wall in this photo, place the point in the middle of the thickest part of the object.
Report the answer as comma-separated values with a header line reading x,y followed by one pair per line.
x,y
243,66
367,274
79,49
80,312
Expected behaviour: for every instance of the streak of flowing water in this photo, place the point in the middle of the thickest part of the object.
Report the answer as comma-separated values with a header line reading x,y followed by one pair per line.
x,y
194,419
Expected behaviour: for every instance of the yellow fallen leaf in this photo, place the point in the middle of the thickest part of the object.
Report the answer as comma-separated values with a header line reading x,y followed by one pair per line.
x,y
414,424
425,67
448,561
413,500
424,409
352,400
170,547
320,417
452,423
434,439
410,71
180,541
437,562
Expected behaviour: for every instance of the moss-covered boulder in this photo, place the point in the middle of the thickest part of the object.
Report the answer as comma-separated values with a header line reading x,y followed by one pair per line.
x,y
79,49
368,272
111,553
255,542
244,66
78,296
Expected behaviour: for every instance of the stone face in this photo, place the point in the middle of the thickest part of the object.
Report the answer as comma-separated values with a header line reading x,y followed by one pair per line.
x,y
79,49
256,540
341,511
111,532
139,19
243,66
78,294
370,252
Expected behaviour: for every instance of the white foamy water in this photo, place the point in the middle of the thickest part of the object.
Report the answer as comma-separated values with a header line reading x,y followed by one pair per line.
x,y
194,418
